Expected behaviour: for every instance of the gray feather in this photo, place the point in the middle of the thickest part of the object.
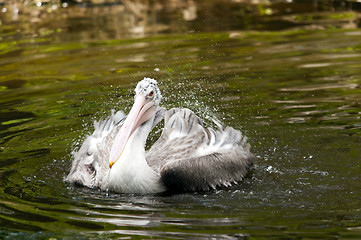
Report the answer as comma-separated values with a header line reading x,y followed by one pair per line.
x,y
90,166
177,159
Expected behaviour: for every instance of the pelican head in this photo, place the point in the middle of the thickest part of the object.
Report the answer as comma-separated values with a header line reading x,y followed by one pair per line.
x,y
147,97
148,87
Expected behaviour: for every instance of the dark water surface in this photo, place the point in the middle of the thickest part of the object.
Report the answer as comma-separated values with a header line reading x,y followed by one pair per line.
x,y
294,91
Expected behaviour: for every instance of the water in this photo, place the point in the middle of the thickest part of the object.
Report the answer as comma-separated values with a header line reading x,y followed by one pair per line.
x,y
294,91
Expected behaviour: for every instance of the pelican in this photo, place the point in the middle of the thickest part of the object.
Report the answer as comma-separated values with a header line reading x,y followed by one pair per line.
x,y
187,157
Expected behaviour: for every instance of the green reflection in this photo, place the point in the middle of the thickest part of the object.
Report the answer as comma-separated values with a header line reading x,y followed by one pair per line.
x,y
295,93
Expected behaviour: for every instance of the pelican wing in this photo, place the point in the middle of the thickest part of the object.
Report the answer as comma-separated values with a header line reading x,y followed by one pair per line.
x,y
190,157
90,163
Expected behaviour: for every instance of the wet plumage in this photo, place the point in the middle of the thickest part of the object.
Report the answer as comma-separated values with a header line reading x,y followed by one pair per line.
x,y
186,157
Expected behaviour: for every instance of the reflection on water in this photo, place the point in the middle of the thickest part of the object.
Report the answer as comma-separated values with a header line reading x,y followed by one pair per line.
x,y
295,93
109,19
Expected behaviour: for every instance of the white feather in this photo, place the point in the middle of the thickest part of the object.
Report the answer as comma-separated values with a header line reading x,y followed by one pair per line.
x,y
131,173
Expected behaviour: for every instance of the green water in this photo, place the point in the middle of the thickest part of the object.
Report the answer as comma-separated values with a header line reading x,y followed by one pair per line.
x,y
294,91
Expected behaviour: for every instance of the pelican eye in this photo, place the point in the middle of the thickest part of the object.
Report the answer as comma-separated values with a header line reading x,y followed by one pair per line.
x,y
151,93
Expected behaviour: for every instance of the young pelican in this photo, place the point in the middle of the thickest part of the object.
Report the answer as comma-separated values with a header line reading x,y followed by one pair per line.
x,y
187,156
